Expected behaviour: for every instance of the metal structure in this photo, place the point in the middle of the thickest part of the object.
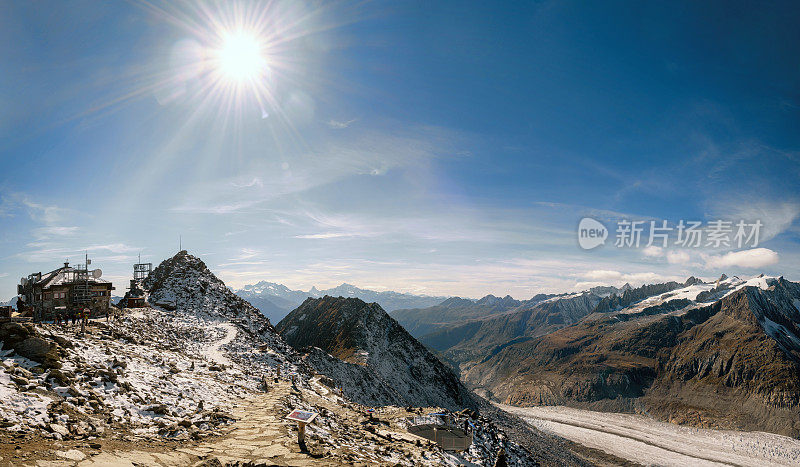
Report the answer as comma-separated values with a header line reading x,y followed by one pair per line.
x,y
443,429
135,297
81,292
141,271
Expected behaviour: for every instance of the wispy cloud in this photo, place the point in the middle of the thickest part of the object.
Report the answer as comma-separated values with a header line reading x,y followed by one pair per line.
x,y
776,216
340,124
255,181
328,235
45,233
368,152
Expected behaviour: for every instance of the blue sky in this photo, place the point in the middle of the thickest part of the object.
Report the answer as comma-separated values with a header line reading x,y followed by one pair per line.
x,y
431,147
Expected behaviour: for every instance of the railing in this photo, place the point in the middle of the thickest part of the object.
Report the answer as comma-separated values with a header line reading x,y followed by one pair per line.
x,y
431,419
443,429
455,443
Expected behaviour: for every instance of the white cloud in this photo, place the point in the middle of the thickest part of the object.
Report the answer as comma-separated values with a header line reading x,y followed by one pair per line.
x,y
247,253
43,213
753,258
255,181
609,277
603,275
114,248
44,233
653,251
327,235
340,125
672,256
323,163
678,257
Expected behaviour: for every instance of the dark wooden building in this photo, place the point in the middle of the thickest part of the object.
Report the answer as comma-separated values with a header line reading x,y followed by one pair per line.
x,y
63,290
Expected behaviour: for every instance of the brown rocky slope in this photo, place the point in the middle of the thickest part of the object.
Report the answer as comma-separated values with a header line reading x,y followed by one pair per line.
x,y
731,364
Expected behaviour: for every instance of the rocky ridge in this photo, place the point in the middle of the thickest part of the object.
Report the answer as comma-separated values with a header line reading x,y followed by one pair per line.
x,y
370,355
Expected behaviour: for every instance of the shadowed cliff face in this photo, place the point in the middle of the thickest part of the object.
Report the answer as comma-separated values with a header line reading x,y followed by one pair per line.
x,y
361,342
731,364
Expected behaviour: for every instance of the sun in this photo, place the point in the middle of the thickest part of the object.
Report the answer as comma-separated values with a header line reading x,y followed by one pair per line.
x,y
240,57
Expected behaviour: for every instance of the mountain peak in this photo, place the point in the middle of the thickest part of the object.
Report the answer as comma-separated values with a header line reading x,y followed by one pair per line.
x,y
184,283
361,342
691,280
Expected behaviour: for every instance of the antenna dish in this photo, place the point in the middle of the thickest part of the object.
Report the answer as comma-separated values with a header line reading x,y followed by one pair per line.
x,y
97,273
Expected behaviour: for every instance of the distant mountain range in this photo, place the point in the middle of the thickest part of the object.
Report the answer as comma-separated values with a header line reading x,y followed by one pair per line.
x,y
722,353
275,301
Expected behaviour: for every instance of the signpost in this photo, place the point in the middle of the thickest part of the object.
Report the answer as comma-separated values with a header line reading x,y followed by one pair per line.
x,y
302,418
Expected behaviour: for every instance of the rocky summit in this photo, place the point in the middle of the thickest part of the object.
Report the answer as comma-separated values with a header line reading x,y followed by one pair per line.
x,y
355,342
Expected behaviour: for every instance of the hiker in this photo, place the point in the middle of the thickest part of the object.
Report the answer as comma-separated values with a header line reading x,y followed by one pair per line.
x,y
84,319
74,315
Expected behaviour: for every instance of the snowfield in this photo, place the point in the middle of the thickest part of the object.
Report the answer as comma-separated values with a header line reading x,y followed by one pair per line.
x,y
649,442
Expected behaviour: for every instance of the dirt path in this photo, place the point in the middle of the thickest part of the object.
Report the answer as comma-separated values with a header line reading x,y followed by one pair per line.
x,y
214,353
260,435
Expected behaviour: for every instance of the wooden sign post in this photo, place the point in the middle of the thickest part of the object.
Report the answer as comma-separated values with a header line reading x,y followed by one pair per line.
x,y
302,418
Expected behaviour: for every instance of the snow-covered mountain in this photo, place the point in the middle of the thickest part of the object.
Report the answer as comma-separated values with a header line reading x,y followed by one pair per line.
x,y
356,343
605,291
276,300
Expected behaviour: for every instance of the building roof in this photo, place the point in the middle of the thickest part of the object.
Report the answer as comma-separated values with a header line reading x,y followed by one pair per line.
x,y
62,275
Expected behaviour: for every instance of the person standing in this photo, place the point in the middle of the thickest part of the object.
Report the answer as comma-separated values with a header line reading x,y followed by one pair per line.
x,y
84,319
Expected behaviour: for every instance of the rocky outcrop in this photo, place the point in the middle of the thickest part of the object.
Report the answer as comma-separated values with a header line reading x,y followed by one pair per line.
x,y
28,343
